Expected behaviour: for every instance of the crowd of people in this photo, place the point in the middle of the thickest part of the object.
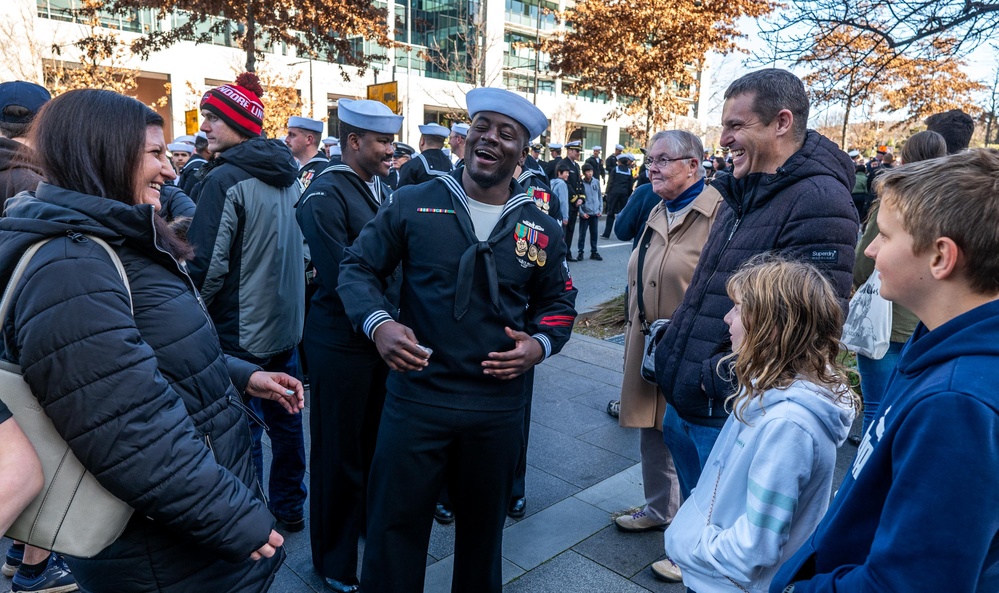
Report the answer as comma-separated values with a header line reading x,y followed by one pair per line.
x,y
412,291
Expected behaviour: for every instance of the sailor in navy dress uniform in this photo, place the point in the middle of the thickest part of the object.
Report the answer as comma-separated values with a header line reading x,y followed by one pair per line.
x,y
303,140
486,295
459,131
554,151
347,374
432,161
402,155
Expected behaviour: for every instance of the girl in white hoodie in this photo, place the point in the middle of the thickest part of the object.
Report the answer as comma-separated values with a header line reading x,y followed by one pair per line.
x,y
768,479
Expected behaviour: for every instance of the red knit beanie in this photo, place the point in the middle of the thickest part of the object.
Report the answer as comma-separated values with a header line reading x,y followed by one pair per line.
x,y
238,104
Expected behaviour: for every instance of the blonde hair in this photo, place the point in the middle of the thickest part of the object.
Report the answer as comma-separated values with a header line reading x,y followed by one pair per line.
x,y
793,322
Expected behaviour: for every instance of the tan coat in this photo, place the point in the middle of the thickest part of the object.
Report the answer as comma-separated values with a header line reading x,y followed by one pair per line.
x,y
669,265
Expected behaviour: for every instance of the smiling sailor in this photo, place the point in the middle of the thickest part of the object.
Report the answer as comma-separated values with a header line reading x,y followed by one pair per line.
x,y
486,295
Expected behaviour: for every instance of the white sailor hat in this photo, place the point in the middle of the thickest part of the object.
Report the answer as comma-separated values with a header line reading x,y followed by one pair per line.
x,y
331,141
312,125
619,147
625,156
366,114
854,153
189,139
554,146
201,135
460,129
575,144
433,129
335,149
597,147
509,104
180,147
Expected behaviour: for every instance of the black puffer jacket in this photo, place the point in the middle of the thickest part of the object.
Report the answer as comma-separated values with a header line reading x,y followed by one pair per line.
x,y
146,402
803,211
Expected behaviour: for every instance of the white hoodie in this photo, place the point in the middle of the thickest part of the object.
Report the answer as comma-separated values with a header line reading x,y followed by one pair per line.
x,y
773,476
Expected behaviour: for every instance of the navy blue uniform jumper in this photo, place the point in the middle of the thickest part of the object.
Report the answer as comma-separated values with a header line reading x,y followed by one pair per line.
x,y
449,422
424,166
347,375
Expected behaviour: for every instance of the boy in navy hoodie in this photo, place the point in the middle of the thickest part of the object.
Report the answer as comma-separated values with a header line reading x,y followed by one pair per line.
x,y
917,510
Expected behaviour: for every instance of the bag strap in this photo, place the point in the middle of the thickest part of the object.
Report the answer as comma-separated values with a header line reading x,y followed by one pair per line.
x,y
640,286
22,265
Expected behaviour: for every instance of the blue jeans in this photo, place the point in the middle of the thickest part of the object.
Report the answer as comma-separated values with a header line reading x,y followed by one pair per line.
x,y
874,376
690,445
286,489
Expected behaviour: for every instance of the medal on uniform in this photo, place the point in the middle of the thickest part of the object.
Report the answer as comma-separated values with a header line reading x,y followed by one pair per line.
x,y
520,234
542,243
532,239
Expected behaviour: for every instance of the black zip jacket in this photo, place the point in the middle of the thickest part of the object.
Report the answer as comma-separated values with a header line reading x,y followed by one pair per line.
x,y
803,211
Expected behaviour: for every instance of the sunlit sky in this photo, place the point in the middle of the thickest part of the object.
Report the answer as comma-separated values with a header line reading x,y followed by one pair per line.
x,y
981,65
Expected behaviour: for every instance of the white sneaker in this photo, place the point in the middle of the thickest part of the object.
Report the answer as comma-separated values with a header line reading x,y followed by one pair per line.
x,y
640,521
667,570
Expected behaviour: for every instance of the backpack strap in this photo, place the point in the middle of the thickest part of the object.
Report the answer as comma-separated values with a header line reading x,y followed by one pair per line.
x,y
22,265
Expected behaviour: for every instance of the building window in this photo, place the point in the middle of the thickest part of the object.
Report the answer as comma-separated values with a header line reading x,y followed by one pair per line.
x,y
135,21
526,13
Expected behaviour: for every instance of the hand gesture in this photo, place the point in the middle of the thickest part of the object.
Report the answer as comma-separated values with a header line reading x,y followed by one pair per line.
x,y
398,347
526,353
280,387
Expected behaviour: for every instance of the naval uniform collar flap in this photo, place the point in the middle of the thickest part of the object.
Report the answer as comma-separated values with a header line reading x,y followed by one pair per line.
x,y
353,178
480,249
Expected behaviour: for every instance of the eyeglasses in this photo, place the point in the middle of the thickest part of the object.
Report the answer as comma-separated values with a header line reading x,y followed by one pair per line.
x,y
662,161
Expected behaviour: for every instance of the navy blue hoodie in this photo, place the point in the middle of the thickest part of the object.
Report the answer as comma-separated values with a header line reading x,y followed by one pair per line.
x,y
917,512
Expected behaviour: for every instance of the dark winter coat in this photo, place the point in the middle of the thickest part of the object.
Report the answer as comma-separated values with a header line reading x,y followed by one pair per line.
x,y
248,249
190,174
146,401
17,173
803,211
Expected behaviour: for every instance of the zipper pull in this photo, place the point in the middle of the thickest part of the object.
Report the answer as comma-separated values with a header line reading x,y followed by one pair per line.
x,y
734,227
711,406
235,401
76,237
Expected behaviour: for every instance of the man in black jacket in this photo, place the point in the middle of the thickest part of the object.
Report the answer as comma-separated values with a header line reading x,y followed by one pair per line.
x,y
575,183
789,194
248,266
188,175
486,295
347,380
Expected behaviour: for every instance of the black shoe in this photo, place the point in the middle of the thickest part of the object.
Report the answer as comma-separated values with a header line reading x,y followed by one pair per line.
x,y
854,439
443,514
568,257
579,256
289,525
605,236
517,508
596,256
335,585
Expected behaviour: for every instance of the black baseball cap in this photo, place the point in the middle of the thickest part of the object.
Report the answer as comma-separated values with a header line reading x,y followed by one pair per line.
x,y
21,94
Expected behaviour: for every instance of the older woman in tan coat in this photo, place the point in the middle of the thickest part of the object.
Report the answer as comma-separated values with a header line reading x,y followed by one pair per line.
x,y
674,235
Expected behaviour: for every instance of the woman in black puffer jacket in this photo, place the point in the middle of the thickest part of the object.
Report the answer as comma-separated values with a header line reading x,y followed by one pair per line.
x,y
147,401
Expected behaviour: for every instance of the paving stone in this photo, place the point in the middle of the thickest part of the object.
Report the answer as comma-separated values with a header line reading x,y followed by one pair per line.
x,y
572,573
570,459
441,540
599,374
618,492
287,581
300,563
624,553
438,578
593,351
598,397
568,416
623,441
543,490
552,383
534,540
